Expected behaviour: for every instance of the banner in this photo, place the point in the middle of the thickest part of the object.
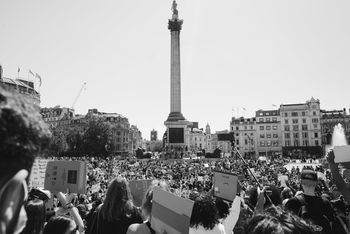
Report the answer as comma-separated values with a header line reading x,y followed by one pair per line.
x,y
66,176
225,185
170,213
138,190
37,175
342,153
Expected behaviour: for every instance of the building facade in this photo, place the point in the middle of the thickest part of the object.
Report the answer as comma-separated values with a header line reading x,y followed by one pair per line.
x,y
301,129
154,135
268,132
245,133
55,116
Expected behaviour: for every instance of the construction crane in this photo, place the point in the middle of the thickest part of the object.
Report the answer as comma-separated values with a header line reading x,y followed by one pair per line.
x,y
77,97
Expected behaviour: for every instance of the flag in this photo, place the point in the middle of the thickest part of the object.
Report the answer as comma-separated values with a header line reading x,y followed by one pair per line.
x,y
243,108
39,77
30,72
18,70
274,105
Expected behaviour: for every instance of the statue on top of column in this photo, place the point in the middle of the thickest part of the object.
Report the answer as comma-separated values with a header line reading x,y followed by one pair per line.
x,y
175,11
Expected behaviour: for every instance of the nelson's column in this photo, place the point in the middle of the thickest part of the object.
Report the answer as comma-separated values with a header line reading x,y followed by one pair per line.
x,y
176,123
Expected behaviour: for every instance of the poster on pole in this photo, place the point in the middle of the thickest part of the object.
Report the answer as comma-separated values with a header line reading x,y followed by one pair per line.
x,y
342,153
66,176
37,175
170,213
138,189
225,185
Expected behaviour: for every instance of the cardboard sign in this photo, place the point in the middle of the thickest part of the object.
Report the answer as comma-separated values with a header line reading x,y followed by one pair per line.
x,y
37,175
66,176
138,190
170,213
342,153
283,179
225,185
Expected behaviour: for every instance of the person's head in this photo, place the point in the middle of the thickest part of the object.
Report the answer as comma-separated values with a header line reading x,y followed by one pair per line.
x,y
147,200
222,207
286,193
23,135
60,225
118,201
272,191
36,213
204,212
309,180
275,220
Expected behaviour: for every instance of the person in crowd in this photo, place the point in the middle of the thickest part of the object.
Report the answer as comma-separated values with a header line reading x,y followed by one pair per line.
x,y
276,220
342,186
117,212
316,210
23,136
271,191
205,216
341,224
286,194
145,227
61,225
36,213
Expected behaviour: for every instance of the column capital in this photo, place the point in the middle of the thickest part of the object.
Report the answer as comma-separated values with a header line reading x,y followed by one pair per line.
x,y
175,25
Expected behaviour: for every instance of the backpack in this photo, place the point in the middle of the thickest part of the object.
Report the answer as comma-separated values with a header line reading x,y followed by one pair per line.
x,y
313,215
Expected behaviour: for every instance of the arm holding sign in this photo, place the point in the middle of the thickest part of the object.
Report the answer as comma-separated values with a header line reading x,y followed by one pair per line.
x,y
339,181
231,220
73,211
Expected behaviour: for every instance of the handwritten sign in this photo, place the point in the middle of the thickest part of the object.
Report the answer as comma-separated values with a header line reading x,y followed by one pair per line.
x,y
37,176
225,185
66,176
138,190
170,213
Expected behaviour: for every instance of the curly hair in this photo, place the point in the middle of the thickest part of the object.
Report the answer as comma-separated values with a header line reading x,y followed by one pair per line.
x,y
275,220
204,212
23,133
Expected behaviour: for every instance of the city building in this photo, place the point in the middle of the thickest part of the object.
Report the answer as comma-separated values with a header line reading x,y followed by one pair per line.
x,y
224,146
57,115
154,135
198,140
268,132
245,133
24,87
135,139
331,118
301,129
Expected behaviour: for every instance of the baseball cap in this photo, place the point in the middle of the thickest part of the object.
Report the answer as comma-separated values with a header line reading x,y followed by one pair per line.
x,y
309,175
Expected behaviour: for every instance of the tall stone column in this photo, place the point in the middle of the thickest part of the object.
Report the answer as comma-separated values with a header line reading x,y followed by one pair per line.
x,y
174,25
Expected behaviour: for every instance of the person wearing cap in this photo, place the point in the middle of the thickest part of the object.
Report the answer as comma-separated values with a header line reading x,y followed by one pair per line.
x,y
316,210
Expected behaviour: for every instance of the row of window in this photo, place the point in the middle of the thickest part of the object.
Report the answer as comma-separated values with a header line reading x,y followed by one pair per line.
x,y
268,135
274,119
268,143
297,143
295,114
296,135
274,127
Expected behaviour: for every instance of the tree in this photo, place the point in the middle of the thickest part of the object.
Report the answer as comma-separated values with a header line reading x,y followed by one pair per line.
x,y
75,141
96,137
58,144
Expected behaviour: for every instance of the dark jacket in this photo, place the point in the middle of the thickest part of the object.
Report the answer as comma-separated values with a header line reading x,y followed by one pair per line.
x,y
98,225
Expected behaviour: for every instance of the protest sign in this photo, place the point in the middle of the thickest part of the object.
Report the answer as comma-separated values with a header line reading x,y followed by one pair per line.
x,y
342,153
170,213
225,185
66,176
282,179
138,189
321,176
37,175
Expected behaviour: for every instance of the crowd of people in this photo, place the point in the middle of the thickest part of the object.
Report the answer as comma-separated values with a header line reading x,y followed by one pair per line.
x,y
311,199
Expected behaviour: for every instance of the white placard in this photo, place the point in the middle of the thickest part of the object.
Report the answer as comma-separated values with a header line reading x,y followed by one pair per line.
x,y
225,185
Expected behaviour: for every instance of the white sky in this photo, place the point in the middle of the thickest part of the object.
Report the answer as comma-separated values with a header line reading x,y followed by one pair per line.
x,y
234,54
